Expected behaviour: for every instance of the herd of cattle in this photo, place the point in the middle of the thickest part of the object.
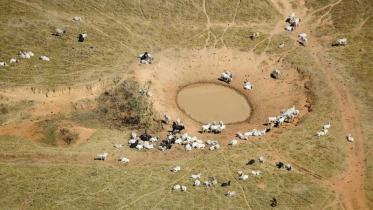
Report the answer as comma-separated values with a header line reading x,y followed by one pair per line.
x,y
28,54
293,22
147,142
213,181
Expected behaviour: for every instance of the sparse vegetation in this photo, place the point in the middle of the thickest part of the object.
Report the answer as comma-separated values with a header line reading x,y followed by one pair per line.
x,y
68,136
125,105
48,175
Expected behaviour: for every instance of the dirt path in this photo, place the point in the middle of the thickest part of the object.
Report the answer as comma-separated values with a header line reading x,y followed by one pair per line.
x,y
350,186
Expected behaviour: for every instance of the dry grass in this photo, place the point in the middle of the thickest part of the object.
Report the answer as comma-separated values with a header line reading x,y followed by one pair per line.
x,y
355,61
39,176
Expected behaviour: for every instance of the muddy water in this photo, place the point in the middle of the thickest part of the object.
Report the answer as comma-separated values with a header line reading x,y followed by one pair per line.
x,y
211,102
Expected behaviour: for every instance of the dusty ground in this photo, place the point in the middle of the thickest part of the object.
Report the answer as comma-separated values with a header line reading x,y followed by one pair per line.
x,y
174,70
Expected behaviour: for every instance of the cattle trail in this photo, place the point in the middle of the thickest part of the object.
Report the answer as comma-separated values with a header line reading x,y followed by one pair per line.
x,y
350,186
230,172
233,22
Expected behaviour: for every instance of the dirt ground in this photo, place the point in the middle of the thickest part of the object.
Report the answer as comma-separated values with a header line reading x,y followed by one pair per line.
x,y
174,70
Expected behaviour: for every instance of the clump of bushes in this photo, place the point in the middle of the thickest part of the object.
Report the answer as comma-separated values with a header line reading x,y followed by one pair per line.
x,y
68,136
53,135
125,105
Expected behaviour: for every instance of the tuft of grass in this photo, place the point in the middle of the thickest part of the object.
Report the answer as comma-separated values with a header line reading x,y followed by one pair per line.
x,y
125,106
49,129
12,111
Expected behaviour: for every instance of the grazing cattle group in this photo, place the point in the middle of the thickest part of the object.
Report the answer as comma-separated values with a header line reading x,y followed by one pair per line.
x,y
293,22
213,127
176,135
324,130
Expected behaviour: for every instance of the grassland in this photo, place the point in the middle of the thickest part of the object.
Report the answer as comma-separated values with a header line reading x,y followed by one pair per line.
x,y
354,61
43,176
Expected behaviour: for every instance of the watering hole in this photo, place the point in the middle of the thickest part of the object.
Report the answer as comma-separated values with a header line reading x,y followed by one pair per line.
x,y
207,102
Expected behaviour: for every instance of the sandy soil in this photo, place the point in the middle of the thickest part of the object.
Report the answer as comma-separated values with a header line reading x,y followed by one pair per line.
x,y
174,70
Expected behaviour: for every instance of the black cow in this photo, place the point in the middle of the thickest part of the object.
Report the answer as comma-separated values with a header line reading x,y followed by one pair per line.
x,y
252,161
145,56
145,136
274,202
280,165
176,128
226,184
134,145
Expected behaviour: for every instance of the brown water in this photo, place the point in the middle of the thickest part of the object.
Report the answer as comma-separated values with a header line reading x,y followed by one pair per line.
x,y
211,102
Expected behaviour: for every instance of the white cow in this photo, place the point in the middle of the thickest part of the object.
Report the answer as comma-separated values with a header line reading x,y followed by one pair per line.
x,y
124,160
176,169
77,18
256,173
248,86
101,156
153,139
13,60
289,28
233,142
341,42
26,55
197,183
59,32
206,128
148,145
255,35
323,132
3,64
133,135
44,58
176,187
302,39
226,76
289,167
230,193
140,146
145,58
243,177
196,176
271,120
166,119
350,138
241,136
261,159
183,188
327,126
188,147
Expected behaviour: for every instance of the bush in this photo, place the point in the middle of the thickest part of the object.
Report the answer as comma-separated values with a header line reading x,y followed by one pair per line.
x,y
125,106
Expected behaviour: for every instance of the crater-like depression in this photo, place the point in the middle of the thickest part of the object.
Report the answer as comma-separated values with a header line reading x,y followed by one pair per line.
x,y
207,102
